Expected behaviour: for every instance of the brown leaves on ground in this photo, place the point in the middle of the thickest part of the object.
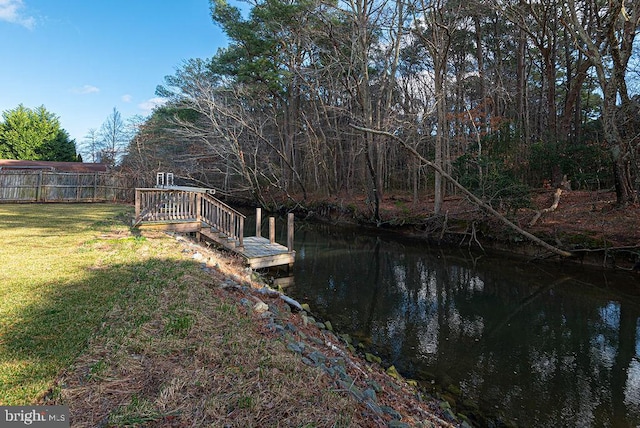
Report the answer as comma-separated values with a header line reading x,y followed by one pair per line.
x,y
194,353
582,219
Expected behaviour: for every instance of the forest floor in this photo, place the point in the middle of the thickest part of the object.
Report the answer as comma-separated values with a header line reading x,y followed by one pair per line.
x,y
587,222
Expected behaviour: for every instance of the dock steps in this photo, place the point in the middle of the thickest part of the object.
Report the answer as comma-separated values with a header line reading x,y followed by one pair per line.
x,y
186,210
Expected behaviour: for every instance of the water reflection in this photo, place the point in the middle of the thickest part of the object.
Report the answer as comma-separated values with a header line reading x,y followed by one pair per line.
x,y
535,345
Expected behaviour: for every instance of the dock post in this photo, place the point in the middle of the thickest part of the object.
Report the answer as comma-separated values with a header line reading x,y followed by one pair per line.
x,y
290,232
258,221
138,202
272,230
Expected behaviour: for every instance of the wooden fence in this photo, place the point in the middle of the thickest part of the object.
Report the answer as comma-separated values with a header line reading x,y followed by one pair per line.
x,y
51,186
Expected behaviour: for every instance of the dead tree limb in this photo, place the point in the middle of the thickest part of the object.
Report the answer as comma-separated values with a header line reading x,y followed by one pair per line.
x,y
554,205
467,192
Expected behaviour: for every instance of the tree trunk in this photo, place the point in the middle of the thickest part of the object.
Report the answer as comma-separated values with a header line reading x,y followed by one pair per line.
x,y
467,192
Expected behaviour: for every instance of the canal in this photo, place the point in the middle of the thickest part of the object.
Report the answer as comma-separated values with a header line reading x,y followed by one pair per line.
x,y
509,341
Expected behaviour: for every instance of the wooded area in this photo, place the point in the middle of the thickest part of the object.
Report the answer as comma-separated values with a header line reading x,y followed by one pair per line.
x,y
502,96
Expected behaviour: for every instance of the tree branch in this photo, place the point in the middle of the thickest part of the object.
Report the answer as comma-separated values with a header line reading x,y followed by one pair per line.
x,y
467,192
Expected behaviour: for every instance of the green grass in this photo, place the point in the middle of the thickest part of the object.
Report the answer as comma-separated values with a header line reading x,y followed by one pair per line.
x,y
129,330
63,267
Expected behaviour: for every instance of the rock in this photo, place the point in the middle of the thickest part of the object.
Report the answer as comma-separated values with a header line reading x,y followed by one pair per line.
x,y
391,412
317,357
375,385
328,325
338,361
448,413
391,371
294,304
349,386
297,347
374,407
260,307
275,327
317,341
229,283
329,370
305,307
397,424
369,394
372,358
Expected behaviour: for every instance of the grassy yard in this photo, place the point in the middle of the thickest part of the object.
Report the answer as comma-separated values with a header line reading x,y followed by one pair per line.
x,y
63,266
129,329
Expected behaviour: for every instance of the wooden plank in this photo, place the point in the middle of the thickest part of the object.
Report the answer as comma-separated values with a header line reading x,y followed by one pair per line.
x,y
174,226
270,261
219,239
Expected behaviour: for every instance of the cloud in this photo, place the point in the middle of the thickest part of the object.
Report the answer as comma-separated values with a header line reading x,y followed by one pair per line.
x,y
10,12
127,98
148,106
86,89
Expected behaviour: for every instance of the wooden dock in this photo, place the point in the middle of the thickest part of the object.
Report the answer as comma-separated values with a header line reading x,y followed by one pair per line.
x,y
192,210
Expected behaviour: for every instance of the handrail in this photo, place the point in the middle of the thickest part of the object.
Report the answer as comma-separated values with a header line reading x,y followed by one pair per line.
x,y
222,217
153,204
165,205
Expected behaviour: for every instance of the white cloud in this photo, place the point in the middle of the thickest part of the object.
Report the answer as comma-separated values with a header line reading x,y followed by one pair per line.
x,y
10,12
148,106
86,89
127,98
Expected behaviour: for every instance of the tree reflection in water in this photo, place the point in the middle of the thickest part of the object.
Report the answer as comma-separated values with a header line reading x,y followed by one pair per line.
x,y
534,344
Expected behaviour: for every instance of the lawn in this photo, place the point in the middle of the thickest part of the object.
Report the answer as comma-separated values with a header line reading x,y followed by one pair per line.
x,y
132,329
63,266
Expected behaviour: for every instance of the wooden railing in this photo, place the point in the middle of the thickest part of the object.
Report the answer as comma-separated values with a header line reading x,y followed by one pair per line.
x,y
171,205
222,218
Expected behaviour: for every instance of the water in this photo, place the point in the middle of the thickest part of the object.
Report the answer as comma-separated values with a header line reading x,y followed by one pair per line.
x,y
532,345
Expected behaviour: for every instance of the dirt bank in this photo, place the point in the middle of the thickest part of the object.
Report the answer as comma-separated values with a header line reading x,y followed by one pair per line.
x,y
585,223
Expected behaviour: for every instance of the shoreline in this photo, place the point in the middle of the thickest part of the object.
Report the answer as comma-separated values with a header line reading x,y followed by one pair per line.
x,y
596,232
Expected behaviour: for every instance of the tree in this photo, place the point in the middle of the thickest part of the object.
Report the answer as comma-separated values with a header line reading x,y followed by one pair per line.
x,y
605,33
61,148
114,136
91,144
30,134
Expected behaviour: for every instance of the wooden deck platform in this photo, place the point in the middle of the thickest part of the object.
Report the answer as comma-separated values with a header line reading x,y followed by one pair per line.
x,y
186,211
257,251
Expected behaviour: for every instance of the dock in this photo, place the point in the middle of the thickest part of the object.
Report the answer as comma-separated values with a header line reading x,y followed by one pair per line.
x,y
196,210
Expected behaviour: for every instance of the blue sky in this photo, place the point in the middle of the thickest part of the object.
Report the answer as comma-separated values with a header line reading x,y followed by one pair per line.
x,y
82,58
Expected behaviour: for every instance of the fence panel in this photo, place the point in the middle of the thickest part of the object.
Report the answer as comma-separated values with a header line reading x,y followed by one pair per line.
x,y
50,186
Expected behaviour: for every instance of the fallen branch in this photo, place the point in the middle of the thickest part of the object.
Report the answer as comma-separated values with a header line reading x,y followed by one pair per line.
x,y
556,201
467,192
596,250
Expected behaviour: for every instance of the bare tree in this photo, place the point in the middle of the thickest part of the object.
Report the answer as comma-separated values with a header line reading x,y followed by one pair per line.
x,y
605,33
114,137
92,144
